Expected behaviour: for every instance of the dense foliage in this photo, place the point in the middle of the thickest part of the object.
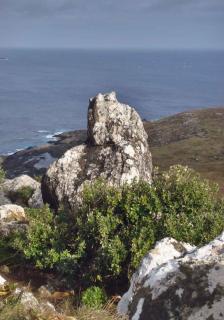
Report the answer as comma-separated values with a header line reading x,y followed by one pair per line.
x,y
94,297
114,228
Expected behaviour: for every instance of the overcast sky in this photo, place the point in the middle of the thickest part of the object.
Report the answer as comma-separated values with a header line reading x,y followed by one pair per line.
x,y
145,24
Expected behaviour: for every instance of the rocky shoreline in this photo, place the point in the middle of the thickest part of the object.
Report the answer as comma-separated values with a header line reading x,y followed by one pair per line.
x,y
193,138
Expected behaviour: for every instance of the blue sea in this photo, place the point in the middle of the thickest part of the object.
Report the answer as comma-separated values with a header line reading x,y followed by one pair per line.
x,y
47,91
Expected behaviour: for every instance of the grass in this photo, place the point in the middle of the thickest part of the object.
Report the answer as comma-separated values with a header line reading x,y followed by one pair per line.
x,y
12,309
195,139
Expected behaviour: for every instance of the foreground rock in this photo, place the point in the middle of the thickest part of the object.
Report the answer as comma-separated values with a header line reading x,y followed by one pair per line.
x,y
12,218
116,150
12,186
177,281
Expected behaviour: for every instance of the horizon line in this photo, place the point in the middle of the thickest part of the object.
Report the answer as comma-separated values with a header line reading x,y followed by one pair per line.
x,y
112,48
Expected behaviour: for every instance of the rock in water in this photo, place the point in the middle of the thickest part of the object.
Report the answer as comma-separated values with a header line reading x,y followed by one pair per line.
x,y
177,281
116,150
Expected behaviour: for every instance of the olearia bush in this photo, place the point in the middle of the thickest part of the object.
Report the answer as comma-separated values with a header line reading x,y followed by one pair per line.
x,y
48,241
192,210
93,297
106,239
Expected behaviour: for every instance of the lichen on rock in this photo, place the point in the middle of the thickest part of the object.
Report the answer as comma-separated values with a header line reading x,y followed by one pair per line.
x,y
116,150
187,284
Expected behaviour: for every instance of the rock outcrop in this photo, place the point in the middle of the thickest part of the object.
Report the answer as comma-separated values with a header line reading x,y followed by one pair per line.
x,y
177,281
116,150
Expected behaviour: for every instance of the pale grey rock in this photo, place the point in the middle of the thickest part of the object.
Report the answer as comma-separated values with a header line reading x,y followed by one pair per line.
x,y
36,201
12,212
177,281
47,308
2,281
17,183
116,150
111,122
12,218
29,301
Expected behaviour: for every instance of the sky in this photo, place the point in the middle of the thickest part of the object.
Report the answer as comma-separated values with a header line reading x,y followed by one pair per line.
x,y
144,24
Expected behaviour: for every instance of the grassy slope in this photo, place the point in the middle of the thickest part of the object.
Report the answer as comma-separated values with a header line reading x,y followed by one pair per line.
x,y
192,138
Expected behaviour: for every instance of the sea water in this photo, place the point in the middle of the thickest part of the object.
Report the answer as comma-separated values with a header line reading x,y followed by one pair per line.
x,y
47,91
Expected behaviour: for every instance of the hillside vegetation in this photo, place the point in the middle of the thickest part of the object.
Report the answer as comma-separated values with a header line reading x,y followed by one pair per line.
x,y
195,139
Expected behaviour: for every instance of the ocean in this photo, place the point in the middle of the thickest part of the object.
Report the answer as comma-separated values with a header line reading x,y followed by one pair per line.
x,y
43,92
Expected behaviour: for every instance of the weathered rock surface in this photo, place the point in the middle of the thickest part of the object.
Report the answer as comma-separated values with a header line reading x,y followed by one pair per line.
x,y
177,281
2,281
36,201
117,150
12,212
17,183
11,186
12,218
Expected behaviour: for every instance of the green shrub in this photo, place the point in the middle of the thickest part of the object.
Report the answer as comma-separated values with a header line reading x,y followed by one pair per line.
x,y
115,227
47,241
2,175
38,178
191,209
94,297
21,196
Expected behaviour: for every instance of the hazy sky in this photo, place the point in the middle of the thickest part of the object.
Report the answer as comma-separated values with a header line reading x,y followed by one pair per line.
x,y
112,23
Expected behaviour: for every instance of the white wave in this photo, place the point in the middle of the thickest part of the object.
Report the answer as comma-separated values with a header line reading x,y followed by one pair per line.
x,y
42,131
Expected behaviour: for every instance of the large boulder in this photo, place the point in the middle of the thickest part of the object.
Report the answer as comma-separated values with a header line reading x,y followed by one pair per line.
x,y
12,187
116,150
177,281
23,181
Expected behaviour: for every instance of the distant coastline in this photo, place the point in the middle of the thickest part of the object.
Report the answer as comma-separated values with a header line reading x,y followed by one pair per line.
x,y
185,138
